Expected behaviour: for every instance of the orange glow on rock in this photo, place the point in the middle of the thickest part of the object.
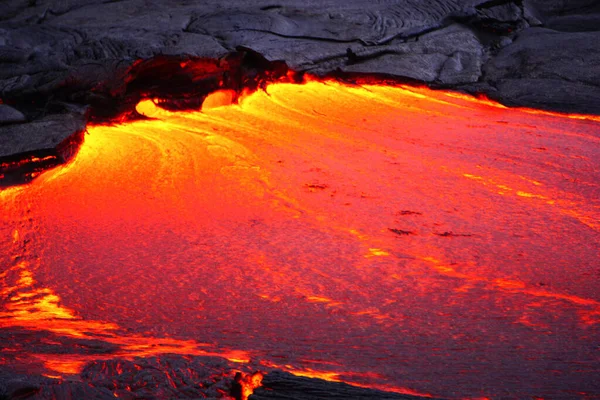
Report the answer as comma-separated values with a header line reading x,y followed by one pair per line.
x,y
250,382
406,238
65,367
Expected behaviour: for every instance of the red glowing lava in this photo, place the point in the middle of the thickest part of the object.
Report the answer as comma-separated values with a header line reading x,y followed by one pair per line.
x,y
391,237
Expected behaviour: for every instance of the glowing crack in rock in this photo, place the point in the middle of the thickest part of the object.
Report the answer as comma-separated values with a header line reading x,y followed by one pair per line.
x,y
391,237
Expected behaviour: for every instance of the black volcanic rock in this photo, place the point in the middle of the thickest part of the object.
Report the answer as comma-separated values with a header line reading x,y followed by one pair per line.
x,y
29,148
545,68
9,115
44,134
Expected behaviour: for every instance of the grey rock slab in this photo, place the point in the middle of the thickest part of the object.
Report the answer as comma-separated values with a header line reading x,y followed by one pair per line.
x,y
548,69
459,68
452,55
507,12
540,53
9,115
548,8
553,94
423,67
44,134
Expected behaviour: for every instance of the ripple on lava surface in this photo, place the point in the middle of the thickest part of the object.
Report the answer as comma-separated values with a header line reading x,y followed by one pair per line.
x,y
392,237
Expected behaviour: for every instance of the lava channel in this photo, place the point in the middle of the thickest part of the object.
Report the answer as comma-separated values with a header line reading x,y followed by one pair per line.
x,y
390,237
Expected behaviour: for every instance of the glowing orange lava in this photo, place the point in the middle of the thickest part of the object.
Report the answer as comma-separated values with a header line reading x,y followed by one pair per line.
x,y
391,237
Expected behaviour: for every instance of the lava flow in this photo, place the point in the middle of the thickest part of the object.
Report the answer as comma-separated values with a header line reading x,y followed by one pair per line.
x,y
390,237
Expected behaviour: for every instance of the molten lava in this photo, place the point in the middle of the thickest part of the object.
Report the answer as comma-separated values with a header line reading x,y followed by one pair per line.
x,y
390,237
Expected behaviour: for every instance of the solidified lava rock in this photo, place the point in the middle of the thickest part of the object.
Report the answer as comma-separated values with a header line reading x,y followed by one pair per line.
x,y
546,68
9,115
28,149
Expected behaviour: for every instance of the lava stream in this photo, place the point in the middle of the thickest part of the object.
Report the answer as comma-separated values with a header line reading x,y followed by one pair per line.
x,y
391,237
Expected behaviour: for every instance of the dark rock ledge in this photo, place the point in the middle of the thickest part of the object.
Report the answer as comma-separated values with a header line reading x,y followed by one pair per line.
x,y
59,57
